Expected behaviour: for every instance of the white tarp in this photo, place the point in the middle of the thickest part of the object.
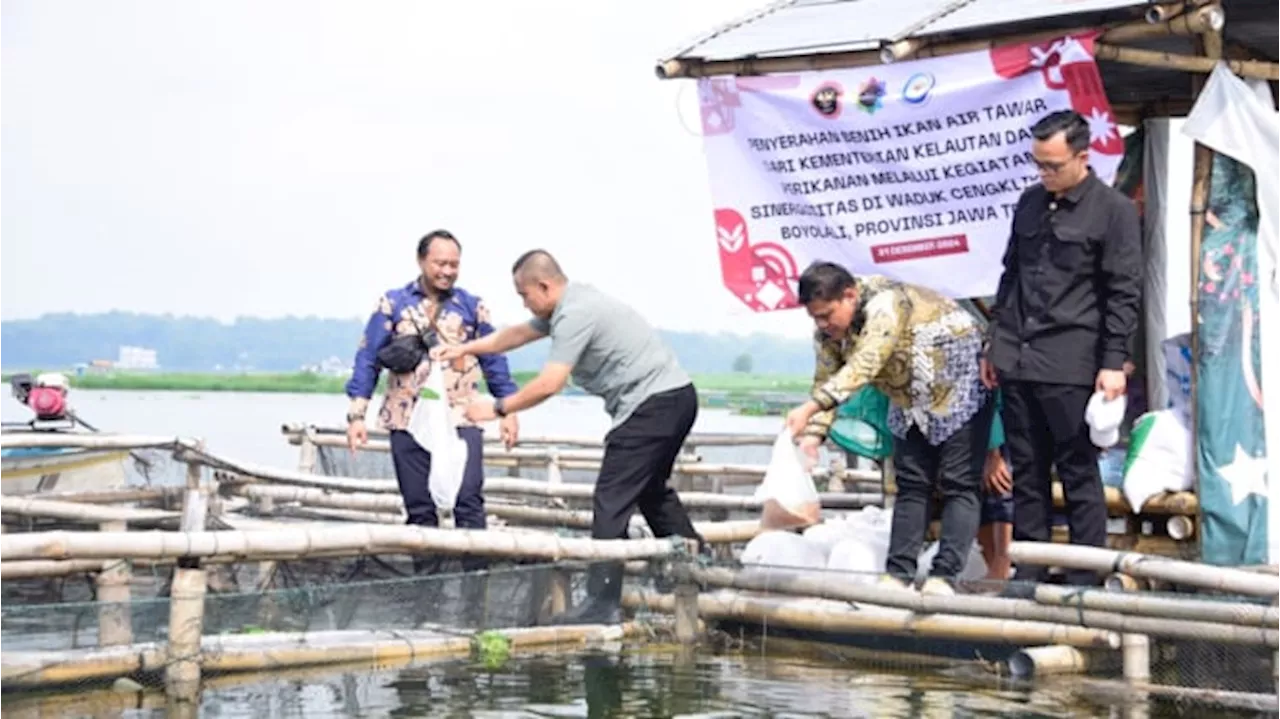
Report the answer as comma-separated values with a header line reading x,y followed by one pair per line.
x,y
1167,160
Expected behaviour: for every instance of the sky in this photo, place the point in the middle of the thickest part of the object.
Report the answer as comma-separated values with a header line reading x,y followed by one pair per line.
x,y
234,158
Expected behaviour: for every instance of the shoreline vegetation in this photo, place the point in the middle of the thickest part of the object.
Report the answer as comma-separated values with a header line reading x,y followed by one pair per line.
x,y
753,394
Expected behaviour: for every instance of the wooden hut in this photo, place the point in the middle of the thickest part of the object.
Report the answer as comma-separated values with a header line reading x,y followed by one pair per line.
x,y
1153,59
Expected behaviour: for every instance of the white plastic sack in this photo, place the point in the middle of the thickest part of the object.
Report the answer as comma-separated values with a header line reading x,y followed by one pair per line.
x,y
1160,458
830,532
862,561
870,524
863,548
783,549
432,427
789,496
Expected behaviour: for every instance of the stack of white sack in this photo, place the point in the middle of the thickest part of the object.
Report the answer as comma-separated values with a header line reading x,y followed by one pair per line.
x,y
855,545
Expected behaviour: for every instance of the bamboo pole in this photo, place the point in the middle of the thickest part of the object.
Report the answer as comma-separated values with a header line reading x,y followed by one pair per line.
x,y
294,432
716,532
28,440
1120,582
1224,579
1165,24
1204,610
685,606
1180,527
499,455
869,620
1164,503
1201,178
386,502
368,538
186,626
751,474
111,496
1043,661
266,652
689,464
1143,692
692,68
1256,69
1136,657
1200,20
87,514
48,568
115,620
308,453
831,586
186,599
26,569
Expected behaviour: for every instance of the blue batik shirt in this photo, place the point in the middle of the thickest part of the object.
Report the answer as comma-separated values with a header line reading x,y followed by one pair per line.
x,y
463,317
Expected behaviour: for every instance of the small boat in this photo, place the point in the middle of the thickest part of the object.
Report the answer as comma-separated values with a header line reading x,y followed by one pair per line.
x,y
49,468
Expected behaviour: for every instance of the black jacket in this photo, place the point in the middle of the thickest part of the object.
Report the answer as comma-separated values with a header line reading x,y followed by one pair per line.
x,y
1069,298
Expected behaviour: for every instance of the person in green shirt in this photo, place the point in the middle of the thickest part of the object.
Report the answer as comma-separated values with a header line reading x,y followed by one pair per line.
x,y
995,529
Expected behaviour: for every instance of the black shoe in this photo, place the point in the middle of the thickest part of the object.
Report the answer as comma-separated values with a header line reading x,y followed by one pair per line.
x,y
1023,583
603,604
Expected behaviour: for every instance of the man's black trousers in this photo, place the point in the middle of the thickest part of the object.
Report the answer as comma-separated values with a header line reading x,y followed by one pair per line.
x,y
413,471
1045,428
638,459
954,467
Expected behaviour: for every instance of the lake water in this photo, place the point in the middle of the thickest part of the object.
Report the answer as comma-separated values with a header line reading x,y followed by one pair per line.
x,y
246,426
750,680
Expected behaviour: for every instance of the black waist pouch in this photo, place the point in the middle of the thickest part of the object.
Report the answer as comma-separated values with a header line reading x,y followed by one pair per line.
x,y
403,354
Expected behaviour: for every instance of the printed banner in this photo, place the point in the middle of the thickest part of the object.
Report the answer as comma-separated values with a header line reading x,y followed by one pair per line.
x,y
1237,310
909,170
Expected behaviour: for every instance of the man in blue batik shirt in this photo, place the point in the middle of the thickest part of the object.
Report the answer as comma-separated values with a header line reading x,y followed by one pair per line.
x,y
432,301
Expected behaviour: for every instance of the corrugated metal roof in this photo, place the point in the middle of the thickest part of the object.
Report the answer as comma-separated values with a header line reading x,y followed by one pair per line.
x,y
794,27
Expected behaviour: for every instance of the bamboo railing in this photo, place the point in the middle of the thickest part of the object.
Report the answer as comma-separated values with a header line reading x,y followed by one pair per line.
x,y
265,652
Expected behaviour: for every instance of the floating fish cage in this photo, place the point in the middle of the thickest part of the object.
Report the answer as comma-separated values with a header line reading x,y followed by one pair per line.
x,y
233,568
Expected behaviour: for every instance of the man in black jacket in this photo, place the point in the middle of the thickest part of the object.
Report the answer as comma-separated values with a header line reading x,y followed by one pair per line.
x,y
1066,306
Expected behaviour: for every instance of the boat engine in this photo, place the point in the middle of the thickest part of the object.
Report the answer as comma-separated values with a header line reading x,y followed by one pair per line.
x,y
46,395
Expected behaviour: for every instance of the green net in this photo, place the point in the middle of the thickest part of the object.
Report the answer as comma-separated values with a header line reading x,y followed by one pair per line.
x,y
861,425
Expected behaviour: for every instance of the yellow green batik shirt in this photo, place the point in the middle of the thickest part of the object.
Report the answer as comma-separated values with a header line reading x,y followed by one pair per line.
x,y
917,347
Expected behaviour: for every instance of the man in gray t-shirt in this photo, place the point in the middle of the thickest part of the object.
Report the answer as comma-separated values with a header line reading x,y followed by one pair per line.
x,y
609,351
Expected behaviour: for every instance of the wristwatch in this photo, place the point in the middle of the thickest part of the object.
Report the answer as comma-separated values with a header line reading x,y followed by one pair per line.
x,y
354,417
498,407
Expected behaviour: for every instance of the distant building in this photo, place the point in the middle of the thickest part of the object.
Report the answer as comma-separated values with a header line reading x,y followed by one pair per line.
x,y
98,366
332,366
133,358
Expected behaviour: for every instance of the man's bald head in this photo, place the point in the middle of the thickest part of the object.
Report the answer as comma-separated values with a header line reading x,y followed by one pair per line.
x,y
539,281
537,266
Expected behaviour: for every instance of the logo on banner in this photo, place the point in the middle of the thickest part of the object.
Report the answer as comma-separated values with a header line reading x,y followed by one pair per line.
x,y
763,275
826,99
917,88
717,99
870,96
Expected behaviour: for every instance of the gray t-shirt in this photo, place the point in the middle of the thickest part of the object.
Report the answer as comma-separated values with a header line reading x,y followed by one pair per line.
x,y
614,352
